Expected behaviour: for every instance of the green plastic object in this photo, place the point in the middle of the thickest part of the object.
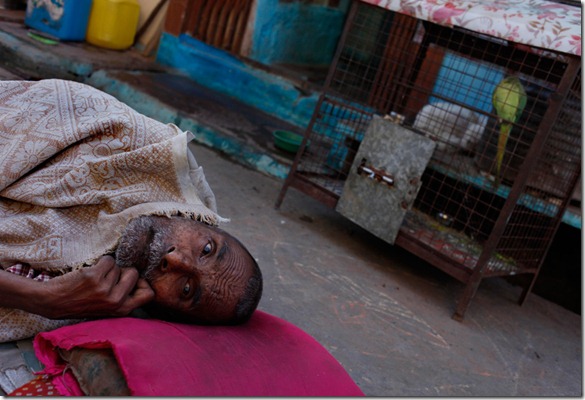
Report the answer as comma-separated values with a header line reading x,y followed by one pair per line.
x,y
287,141
42,39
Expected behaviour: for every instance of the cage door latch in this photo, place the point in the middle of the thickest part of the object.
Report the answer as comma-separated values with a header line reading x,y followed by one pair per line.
x,y
379,175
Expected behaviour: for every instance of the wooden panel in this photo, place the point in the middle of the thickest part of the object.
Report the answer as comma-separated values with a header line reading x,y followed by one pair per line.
x,y
386,95
425,82
219,23
176,15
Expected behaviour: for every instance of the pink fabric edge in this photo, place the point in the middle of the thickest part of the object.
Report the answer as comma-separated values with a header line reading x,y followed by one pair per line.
x,y
45,345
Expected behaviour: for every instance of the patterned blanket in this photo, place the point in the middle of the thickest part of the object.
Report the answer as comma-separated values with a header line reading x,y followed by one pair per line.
x,y
76,165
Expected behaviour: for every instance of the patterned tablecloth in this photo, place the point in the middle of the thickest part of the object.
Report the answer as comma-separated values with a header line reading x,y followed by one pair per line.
x,y
539,23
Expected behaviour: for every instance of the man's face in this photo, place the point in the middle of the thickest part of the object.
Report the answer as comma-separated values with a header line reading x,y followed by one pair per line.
x,y
198,272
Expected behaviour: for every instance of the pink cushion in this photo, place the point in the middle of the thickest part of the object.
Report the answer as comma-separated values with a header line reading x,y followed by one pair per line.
x,y
265,357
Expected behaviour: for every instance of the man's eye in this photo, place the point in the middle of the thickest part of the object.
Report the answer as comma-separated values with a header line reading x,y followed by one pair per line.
x,y
206,249
186,289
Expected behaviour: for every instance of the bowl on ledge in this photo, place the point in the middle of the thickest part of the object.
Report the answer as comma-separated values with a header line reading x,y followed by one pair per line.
x,y
287,141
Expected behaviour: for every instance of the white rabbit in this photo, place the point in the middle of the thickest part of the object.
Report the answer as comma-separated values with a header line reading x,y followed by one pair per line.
x,y
450,125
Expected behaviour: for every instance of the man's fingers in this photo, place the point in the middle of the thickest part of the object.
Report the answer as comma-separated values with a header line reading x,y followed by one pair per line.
x,y
143,293
135,287
125,285
136,291
106,267
128,279
105,262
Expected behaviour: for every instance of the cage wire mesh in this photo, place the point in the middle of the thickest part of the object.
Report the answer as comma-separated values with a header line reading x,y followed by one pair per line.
x,y
440,82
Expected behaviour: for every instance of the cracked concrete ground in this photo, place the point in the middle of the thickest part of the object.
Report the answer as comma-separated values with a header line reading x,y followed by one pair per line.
x,y
385,314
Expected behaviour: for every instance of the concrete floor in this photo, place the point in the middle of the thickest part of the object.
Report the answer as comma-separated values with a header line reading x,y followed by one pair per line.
x,y
382,312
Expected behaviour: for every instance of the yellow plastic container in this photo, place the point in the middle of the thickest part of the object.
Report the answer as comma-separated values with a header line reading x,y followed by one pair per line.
x,y
113,23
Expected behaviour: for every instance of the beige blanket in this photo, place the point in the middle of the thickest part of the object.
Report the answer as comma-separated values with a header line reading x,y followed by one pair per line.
x,y
76,164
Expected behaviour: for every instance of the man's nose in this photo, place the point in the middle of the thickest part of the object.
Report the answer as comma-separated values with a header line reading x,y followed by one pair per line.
x,y
173,261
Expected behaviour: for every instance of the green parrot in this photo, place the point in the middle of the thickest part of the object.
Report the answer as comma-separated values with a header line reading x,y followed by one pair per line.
x,y
509,100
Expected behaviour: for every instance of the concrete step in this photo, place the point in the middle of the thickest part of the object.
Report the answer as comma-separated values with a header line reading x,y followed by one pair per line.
x,y
241,132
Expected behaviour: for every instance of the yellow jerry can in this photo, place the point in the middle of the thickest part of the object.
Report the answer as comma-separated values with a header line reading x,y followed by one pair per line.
x,y
113,23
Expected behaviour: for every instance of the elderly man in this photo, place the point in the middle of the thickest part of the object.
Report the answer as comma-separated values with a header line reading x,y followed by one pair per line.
x,y
102,211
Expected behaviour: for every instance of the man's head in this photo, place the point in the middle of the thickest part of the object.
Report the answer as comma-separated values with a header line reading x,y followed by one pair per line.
x,y
199,273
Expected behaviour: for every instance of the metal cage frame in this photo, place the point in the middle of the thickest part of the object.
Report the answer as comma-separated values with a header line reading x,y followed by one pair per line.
x,y
508,228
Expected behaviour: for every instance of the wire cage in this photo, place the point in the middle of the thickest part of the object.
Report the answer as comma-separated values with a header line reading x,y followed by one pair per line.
x,y
473,216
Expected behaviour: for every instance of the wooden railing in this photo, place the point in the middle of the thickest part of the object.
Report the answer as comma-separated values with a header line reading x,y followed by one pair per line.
x,y
219,23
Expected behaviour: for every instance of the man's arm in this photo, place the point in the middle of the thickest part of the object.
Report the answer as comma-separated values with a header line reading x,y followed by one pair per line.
x,y
102,290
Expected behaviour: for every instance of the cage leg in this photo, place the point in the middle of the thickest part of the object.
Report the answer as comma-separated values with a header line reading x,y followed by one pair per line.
x,y
466,297
281,195
527,289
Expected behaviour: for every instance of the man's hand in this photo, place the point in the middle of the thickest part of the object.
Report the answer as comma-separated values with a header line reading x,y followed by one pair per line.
x,y
97,291
102,290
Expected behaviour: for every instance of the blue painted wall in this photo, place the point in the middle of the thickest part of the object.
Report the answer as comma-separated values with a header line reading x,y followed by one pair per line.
x,y
285,32
457,80
224,73
295,32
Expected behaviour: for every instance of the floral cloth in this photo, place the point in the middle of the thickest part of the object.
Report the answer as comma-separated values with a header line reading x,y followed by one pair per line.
x,y
539,23
41,386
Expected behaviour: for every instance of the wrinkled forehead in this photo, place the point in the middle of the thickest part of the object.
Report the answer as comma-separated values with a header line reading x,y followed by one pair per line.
x,y
235,255
236,252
